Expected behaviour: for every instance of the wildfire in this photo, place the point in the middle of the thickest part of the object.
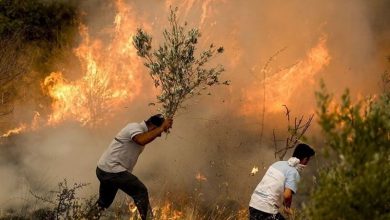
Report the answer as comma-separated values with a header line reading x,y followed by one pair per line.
x,y
254,170
168,212
281,87
188,5
108,79
165,210
200,177
14,131
23,127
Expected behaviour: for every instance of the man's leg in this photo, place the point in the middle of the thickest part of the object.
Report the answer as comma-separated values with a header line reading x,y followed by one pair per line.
x,y
133,187
255,214
279,217
107,192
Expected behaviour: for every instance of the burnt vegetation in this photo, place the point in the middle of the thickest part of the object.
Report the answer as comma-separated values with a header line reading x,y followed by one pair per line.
x,y
32,34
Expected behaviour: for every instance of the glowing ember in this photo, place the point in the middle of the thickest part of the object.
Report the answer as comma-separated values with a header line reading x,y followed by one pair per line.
x,y
254,170
281,87
14,131
23,127
200,177
132,208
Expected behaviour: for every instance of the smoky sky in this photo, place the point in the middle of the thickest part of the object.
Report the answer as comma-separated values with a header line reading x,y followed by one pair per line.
x,y
210,136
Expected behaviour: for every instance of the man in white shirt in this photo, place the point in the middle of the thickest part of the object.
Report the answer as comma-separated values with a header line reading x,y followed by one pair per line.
x,y
115,166
278,186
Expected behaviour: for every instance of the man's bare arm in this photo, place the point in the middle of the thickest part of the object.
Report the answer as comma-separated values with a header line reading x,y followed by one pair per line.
x,y
149,136
287,196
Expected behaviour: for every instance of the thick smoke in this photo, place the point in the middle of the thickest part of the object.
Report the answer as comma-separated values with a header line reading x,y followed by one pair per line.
x,y
212,136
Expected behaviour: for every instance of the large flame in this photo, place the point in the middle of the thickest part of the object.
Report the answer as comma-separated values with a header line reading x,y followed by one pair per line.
x,y
281,87
106,83
109,76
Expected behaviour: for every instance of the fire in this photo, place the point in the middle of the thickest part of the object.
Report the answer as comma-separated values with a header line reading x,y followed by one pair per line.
x,y
200,177
106,83
281,87
14,131
254,170
165,210
23,127
168,212
108,80
187,6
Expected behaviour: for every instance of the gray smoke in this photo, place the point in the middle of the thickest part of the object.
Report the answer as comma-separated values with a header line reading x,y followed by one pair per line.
x,y
211,136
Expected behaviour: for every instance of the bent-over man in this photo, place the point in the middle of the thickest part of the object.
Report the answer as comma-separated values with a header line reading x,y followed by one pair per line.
x,y
115,166
278,185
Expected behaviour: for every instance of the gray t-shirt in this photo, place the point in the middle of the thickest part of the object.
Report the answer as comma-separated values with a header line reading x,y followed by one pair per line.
x,y
122,154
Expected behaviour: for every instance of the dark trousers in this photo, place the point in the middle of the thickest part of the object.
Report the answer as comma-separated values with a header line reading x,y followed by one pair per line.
x,y
255,214
128,183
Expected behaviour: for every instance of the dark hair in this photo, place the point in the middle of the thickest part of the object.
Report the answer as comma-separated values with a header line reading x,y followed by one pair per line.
x,y
302,151
156,120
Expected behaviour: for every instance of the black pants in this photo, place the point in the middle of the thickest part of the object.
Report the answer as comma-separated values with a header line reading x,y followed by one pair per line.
x,y
255,214
128,183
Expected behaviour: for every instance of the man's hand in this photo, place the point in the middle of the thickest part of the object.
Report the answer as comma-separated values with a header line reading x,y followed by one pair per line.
x,y
149,136
288,211
167,124
287,195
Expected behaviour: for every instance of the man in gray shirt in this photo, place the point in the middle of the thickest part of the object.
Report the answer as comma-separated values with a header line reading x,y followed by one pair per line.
x,y
117,162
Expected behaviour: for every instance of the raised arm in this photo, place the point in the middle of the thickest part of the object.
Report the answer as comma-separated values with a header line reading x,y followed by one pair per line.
x,y
149,136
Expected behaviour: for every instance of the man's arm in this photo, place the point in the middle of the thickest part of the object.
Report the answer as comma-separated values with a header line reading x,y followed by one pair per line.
x,y
149,136
287,196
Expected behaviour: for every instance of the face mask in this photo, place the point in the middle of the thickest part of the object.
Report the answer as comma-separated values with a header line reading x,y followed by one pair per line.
x,y
294,162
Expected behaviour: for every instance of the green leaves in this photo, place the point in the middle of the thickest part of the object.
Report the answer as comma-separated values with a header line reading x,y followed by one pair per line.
x,y
143,43
355,186
175,67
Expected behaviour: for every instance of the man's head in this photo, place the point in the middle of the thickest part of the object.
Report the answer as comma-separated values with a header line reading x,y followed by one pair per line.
x,y
154,121
303,152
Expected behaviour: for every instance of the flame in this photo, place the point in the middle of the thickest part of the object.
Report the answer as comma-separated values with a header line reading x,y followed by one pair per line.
x,y
167,212
281,87
200,177
254,170
187,6
23,127
108,80
14,131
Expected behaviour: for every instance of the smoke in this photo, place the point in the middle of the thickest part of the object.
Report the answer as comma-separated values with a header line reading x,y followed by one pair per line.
x,y
212,136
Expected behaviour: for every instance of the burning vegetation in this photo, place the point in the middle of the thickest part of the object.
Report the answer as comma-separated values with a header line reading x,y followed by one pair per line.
x,y
69,67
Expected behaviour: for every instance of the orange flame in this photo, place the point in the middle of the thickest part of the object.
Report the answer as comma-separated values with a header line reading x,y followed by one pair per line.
x,y
200,177
109,76
14,131
23,127
281,87
167,212
254,170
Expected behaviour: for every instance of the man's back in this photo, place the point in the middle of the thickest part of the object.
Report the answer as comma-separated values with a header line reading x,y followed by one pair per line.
x,y
122,153
267,196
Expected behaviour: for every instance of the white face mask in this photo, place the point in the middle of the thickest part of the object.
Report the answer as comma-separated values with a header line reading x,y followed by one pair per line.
x,y
295,162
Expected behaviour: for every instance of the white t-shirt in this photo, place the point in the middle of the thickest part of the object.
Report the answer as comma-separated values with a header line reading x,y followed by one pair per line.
x,y
122,154
268,195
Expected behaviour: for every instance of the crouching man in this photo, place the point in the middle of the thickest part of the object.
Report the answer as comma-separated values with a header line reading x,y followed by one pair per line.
x,y
114,169
278,185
